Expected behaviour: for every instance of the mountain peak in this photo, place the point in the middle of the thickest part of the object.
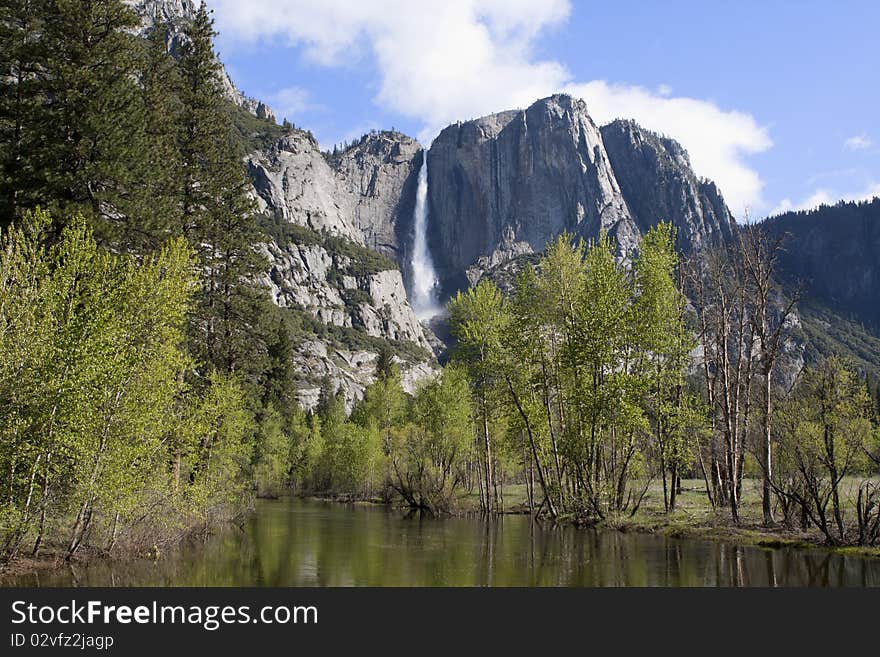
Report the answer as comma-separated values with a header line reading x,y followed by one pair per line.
x,y
565,102
508,183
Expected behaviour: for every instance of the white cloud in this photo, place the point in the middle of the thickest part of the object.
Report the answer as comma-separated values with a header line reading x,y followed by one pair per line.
x,y
857,143
290,102
441,62
826,197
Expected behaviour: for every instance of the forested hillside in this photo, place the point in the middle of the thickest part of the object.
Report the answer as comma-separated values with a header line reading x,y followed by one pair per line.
x,y
831,254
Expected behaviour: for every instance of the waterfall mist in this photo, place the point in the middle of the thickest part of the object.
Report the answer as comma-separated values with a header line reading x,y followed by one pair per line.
x,y
424,277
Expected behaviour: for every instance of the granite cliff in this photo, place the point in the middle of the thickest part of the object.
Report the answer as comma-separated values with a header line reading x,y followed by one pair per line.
x,y
500,188
337,225
505,184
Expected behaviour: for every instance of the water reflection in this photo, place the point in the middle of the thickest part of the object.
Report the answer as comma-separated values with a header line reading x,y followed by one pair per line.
x,y
305,543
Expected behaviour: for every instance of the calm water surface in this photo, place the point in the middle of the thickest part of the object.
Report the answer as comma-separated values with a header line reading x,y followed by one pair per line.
x,y
309,543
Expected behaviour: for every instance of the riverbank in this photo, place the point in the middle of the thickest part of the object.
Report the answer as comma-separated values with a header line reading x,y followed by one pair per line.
x,y
694,518
303,542
53,559
153,546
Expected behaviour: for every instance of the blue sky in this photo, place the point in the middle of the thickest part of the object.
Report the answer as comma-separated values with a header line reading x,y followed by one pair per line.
x,y
777,101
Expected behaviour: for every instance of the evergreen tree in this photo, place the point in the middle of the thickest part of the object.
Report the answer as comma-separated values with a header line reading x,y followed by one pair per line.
x,y
22,107
386,368
216,214
91,142
163,111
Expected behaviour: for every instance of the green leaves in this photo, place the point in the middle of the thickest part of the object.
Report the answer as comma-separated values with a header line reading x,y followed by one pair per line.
x,y
826,429
587,359
71,117
99,423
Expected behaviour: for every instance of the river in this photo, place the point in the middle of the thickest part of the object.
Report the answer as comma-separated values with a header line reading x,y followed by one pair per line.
x,y
296,542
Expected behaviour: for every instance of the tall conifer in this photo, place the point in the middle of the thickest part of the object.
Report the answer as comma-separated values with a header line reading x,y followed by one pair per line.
x,y
216,213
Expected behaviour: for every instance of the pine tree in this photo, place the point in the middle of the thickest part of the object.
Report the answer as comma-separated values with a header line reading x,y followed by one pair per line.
x,y
22,110
160,84
71,116
386,368
215,212
95,122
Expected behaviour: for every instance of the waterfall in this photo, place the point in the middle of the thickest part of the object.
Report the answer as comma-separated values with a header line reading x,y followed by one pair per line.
x,y
424,277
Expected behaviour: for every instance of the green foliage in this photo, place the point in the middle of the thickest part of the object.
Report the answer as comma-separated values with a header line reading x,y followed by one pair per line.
x,y
827,333
584,365
353,457
429,453
252,133
71,119
478,320
665,342
272,455
386,368
100,427
337,455
363,261
827,433
415,448
218,475
157,398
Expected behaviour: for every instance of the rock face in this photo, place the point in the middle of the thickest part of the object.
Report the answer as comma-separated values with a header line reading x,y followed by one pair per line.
x,y
311,277
378,177
175,14
365,193
294,183
657,181
506,184
354,211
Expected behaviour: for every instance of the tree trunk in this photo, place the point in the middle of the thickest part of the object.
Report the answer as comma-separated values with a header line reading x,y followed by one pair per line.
x,y
767,453
490,482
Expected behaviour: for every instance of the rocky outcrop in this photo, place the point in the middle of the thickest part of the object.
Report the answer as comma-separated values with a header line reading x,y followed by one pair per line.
x,y
313,278
506,184
352,314
658,183
349,371
174,14
500,188
294,183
